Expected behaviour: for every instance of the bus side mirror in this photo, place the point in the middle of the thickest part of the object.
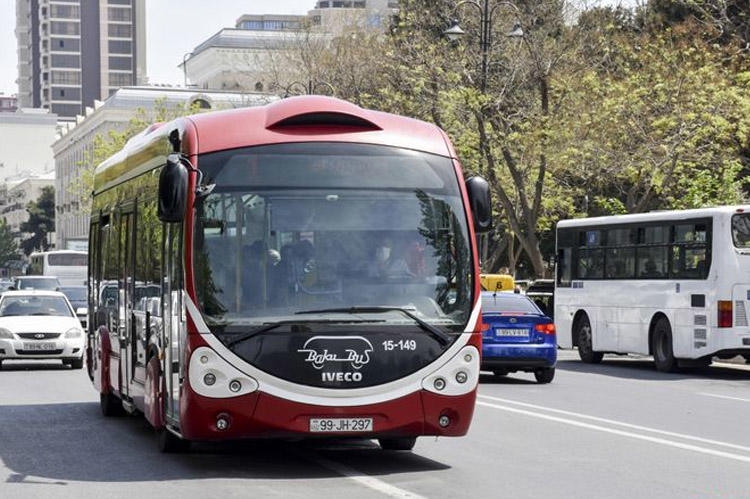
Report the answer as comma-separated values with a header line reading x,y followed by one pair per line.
x,y
480,202
173,186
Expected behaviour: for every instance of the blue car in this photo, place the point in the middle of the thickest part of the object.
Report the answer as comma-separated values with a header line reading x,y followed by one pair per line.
x,y
517,336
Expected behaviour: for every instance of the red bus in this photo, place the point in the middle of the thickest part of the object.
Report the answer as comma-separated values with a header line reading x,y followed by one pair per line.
x,y
306,268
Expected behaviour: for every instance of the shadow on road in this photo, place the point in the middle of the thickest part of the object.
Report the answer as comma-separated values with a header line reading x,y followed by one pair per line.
x,y
57,443
44,365
644,369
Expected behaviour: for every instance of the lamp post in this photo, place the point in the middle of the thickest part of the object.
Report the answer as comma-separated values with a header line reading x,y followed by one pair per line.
x,y
486,15
310,88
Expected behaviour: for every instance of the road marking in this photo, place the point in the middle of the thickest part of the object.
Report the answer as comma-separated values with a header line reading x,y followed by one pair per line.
x,y
662,441
723,397
359,477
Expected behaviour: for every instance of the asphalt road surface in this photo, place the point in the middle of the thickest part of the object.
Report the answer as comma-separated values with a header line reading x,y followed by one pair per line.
x,y
615,430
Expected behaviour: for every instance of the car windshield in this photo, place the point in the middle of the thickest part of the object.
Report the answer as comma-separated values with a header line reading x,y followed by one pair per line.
x,y
297,227
34,305
47,284
499,303
77,293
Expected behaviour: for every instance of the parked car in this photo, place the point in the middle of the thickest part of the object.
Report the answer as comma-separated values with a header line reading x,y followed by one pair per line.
x,y
5,284
49,283
38,325
78,298
517,336
542,293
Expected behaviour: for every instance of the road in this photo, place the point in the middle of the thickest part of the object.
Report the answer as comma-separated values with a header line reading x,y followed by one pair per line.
x,y
617,430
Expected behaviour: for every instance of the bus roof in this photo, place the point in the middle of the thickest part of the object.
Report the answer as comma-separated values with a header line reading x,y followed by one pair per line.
x,y
312,118
653,216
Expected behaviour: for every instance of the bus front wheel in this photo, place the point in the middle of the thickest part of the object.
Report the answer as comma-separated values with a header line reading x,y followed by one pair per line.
x,y
661,347
403,443
585,342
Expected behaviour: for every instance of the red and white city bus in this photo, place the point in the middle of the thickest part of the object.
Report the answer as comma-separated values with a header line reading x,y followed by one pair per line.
x,y
303,269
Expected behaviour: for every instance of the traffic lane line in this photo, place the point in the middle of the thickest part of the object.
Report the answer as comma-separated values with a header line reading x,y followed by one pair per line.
x,y
370,482
624,433
727,397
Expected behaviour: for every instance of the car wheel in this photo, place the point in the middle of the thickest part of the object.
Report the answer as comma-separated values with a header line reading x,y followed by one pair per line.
x,y
404,443
585,342
661,347
110,405
544,375
169,443
76,363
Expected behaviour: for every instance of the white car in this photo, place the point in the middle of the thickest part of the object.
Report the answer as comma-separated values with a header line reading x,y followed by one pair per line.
x,y
38,325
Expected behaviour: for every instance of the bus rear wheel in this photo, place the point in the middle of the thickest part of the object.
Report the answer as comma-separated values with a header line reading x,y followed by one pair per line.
x,y
404,443
585,342
661,347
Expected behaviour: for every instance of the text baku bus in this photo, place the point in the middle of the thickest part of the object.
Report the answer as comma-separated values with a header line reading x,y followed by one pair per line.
x,y
672,284
69,266
274,315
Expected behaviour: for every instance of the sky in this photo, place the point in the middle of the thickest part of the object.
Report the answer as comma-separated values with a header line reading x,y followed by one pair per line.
x,y
173,29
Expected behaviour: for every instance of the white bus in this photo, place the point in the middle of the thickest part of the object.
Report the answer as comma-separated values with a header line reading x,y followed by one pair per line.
x,y
672,284
69,266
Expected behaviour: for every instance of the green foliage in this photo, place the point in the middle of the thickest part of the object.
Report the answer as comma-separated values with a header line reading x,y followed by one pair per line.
x,y
8,246
40,223
107,144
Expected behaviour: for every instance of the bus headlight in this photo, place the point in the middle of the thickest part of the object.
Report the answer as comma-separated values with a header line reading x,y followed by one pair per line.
x,y
458,376
212,376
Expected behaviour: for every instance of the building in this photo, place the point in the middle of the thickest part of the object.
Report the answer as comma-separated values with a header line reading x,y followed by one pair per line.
x,y
74,146
15,195
73,52
262,53
25,139
8,104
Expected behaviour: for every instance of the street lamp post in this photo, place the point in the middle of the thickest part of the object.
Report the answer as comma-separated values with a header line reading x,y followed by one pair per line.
x,y
310,88
486,14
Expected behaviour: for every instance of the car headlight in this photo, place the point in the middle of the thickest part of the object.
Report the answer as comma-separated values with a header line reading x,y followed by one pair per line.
x,y
73,332
5,333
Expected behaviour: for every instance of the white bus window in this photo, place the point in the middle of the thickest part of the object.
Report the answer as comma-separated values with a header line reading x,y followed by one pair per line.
x,y
741,230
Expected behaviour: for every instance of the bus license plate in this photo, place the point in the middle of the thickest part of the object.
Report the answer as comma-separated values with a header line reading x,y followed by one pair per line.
x,y
39,346
325,425
518,333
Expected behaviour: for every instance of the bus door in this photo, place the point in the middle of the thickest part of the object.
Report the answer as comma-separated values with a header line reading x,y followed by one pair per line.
x,y
173,322
127,337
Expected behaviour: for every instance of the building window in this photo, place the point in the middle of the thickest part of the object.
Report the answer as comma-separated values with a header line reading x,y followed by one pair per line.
x,y
65,61
120,47
124,63
120,30
66,45
66,109
119,14
120,79
65,28
66,77
65,11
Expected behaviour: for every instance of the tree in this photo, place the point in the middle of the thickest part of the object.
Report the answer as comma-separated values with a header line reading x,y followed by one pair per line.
x,y
8,246
40,223
107,144
661,125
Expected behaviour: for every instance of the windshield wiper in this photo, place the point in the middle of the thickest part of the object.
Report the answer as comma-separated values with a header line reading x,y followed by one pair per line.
x,y
273,325
437,333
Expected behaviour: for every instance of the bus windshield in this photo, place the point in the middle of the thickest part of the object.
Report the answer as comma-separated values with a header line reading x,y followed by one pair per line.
x,y
301,227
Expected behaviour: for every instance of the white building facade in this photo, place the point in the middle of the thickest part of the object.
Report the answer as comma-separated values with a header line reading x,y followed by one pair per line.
x,y
73,150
